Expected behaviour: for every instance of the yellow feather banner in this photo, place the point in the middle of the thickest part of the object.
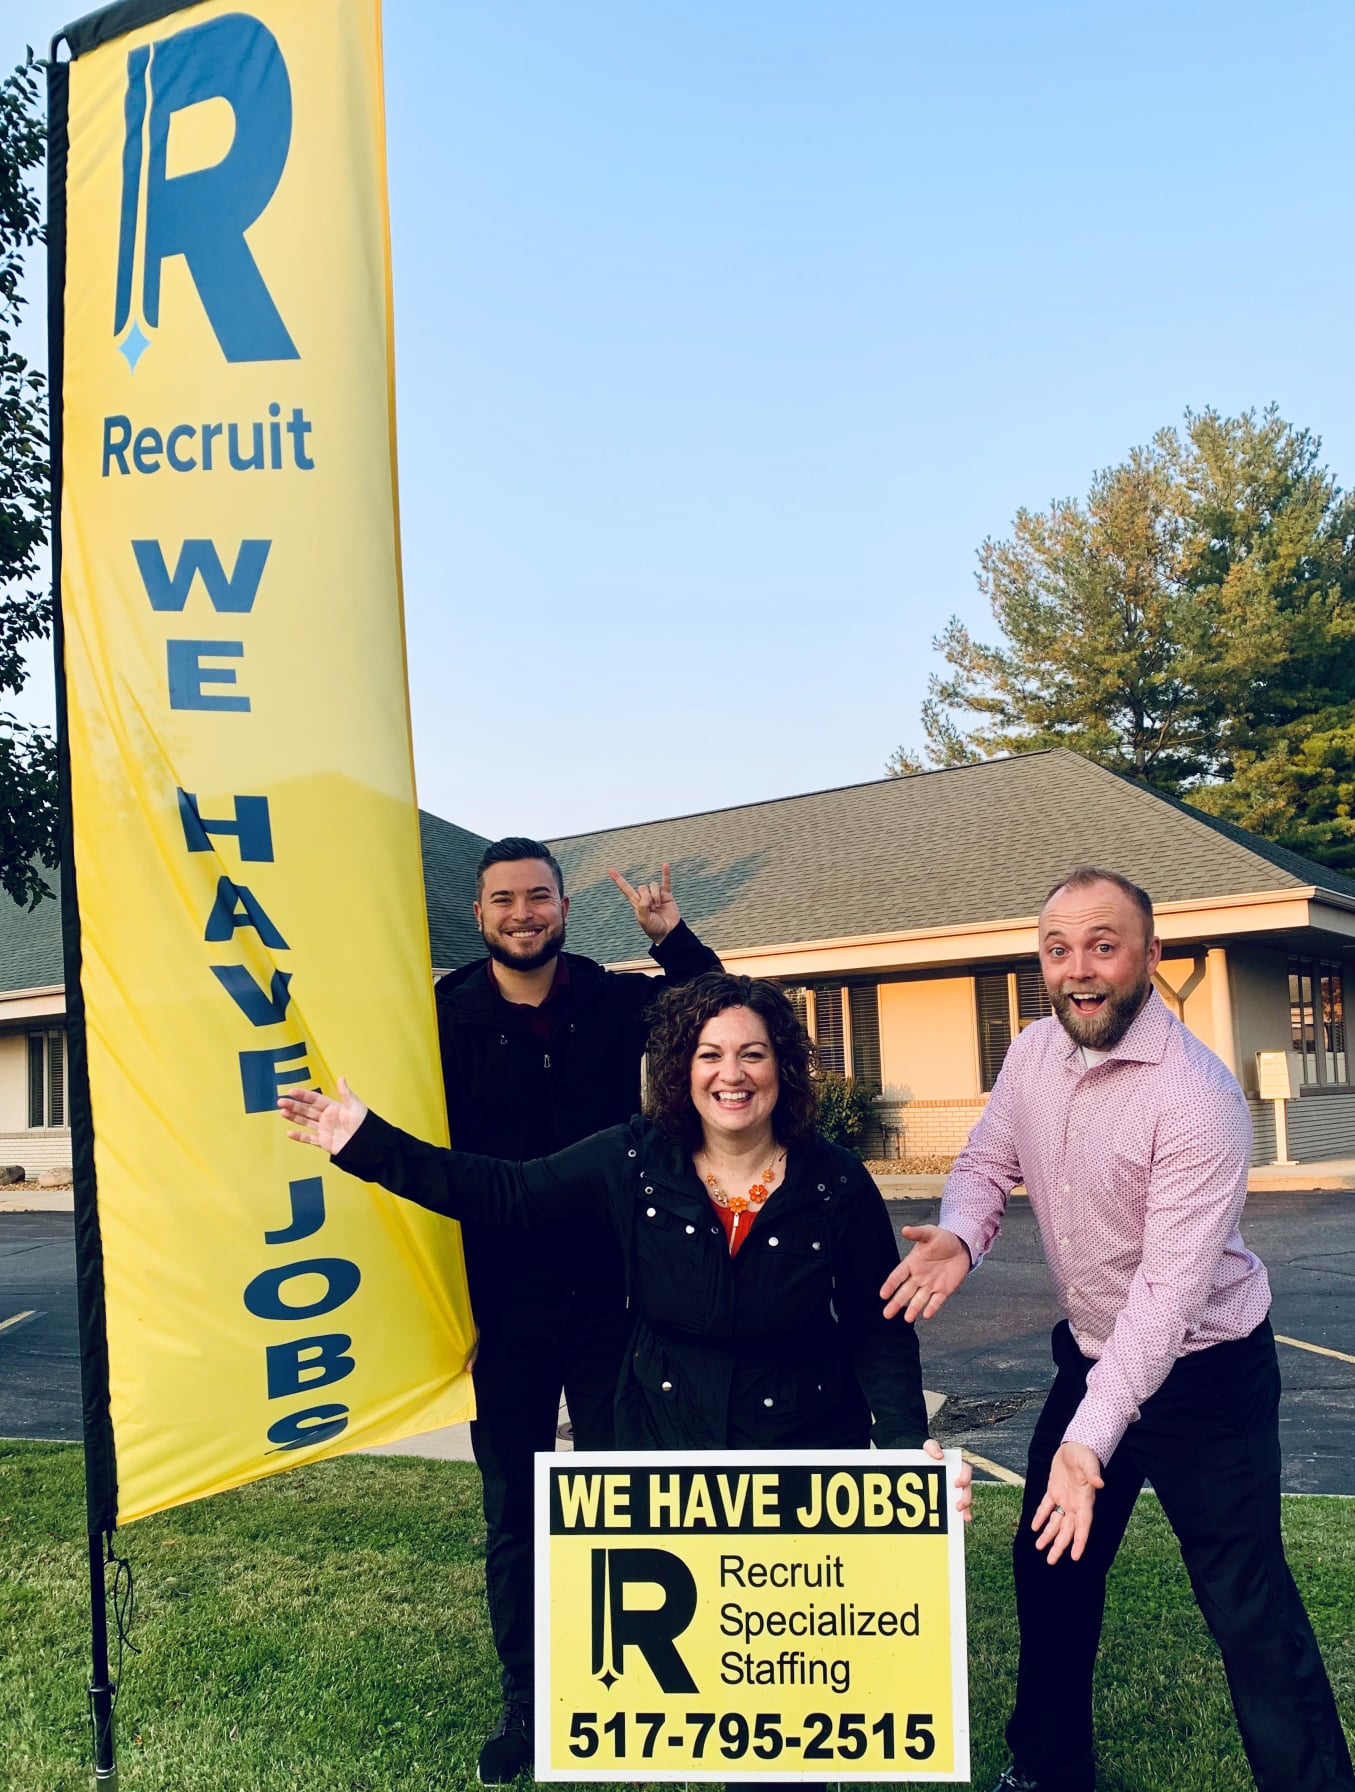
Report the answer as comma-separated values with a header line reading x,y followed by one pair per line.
x,y
243,826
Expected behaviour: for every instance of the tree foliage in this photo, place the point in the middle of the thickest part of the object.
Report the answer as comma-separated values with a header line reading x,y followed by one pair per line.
x,y
1192,624
1300,793
27,754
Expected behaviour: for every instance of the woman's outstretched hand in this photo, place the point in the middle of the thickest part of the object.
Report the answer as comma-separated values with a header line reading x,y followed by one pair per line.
x,y
322,1121
963,1482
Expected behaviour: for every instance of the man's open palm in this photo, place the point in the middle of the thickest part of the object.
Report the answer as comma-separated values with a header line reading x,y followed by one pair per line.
x,y
928,1275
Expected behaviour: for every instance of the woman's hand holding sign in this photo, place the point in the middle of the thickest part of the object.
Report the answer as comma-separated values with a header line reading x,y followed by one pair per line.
x,y
322,1121
963,1484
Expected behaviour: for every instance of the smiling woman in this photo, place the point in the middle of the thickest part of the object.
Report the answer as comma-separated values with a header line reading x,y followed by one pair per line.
x,y
753,1249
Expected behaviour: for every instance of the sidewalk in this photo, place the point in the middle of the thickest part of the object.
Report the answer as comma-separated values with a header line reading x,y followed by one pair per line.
x,y
452,1442
1335,1172
35,1200
1331,1173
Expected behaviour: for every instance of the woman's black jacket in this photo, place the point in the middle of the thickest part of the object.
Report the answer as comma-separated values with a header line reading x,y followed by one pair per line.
x,y
783,1346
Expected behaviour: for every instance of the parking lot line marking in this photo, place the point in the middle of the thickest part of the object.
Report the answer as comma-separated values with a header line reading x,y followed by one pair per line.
x,y
995,1469
1317,1349
16,1318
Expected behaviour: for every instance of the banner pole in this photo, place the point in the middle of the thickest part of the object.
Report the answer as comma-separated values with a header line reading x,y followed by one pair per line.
x,y
102,1691
100,1470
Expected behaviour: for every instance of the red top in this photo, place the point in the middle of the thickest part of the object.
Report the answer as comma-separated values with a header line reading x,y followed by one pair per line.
x,y
727,1216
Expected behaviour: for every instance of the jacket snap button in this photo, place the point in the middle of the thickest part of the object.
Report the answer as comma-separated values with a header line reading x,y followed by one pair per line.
x,y
667,1386
769,1401
816,1245
842,1178
690,1230
715,1228
649,1191
630,1154
822,1186
773,1241
650,1212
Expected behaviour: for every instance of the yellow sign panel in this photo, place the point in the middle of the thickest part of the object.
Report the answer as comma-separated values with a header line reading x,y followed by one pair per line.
x,y
246,842
778,1615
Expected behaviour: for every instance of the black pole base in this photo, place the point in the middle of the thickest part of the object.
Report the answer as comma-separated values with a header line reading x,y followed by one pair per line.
x,y
101,1720
102,1691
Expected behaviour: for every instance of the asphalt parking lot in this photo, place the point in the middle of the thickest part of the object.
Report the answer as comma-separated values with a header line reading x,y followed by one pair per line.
x,y
988,1348
987,1351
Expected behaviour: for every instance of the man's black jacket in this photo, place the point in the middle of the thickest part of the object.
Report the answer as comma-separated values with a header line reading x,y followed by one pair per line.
x,y
510,1094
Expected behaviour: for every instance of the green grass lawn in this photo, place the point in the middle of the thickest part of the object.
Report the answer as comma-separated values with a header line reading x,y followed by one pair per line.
x,y
326,1630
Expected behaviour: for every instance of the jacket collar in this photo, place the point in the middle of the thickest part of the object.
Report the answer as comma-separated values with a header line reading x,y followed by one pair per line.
x,y
471,999
1145,1040
664,1160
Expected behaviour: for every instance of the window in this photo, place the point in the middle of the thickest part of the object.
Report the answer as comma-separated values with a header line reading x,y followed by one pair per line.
x,y
1317,1019
993,1002
1032,998
863,1011
830,1035
844,1023
1005,1003
47,1078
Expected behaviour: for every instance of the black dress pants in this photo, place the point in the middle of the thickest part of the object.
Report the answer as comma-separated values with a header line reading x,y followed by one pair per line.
x,y
520,1373
1209,1442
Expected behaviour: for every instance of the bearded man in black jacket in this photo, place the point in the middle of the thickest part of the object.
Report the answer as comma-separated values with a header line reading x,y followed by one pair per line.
x,y
540,1048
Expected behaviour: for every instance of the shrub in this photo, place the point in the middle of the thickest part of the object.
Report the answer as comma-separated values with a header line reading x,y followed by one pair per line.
x,y
846,1108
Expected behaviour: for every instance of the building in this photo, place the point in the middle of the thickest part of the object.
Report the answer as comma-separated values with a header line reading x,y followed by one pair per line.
x,y
902,914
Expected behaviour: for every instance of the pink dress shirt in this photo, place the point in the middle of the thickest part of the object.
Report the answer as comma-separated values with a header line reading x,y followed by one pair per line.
x,y
1136,1171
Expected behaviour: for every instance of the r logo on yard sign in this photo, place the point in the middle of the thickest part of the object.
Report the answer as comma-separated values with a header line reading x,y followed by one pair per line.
x,y
203,215
650,1628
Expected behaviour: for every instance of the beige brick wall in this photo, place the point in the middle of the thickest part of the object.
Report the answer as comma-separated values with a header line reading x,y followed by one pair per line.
x,y
44,1150
930,1128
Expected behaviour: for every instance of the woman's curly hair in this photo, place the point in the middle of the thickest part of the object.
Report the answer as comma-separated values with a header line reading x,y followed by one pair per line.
x,y
679,1016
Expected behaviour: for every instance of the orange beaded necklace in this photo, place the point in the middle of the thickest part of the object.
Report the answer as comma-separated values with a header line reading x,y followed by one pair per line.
x,y
753,1201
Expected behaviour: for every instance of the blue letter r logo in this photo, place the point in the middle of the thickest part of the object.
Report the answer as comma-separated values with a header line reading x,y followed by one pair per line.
x,y
204,215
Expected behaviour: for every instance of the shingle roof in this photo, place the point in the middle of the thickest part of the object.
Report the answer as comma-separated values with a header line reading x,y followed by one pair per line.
x,y
30,942
450,855
947,848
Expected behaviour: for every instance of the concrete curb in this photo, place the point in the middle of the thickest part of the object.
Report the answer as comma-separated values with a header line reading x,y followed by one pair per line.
x,y
53,1200
1269,1179
1266,1179
452,1442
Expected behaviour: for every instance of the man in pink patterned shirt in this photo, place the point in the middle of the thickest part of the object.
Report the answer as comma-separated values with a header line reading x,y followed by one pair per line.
x,y
1132,1140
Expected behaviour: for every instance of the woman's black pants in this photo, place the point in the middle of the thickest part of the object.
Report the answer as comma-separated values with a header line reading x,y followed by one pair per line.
x,y
1208,1441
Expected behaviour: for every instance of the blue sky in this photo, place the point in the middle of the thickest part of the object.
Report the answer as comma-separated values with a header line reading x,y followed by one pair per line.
x,y
726,331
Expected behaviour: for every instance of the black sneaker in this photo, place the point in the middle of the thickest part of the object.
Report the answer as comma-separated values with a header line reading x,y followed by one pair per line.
x,y
1014,1781
507,1750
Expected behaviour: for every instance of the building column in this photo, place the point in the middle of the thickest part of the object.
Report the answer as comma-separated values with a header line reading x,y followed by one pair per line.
x,y
1221,1007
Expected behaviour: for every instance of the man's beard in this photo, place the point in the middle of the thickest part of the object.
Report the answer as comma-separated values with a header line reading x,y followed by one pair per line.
x,y
549,948
1109,1024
